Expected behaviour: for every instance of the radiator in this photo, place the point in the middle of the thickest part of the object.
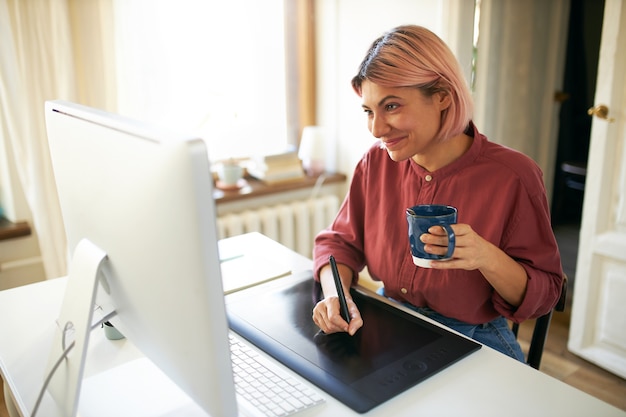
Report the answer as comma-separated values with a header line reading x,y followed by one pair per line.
x,y
294,224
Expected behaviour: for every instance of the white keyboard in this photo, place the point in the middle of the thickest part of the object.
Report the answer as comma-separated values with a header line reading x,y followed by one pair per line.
x,y
262,391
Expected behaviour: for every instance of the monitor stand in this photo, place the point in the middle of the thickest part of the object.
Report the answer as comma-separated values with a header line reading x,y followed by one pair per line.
x,y
66,363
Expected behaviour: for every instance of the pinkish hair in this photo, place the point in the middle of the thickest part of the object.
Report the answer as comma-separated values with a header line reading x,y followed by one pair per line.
x,y
413,56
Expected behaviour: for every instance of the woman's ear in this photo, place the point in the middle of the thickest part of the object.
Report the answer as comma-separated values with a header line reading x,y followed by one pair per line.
x,y
443,99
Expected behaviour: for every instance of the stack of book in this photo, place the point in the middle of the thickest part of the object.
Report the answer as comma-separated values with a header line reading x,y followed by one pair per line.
x,y
277,168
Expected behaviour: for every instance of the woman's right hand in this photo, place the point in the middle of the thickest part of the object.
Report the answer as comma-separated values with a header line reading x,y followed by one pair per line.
x,y
327,316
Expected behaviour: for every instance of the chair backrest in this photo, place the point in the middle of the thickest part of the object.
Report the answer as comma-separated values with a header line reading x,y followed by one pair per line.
x,y
540,332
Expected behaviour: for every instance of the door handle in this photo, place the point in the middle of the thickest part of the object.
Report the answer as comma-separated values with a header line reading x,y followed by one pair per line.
x,y
601,112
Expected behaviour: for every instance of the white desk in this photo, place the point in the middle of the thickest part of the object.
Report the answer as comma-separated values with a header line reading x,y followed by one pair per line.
x,y
484,384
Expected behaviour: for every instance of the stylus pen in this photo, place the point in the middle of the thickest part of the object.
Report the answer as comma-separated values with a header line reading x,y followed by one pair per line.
x,y
343,304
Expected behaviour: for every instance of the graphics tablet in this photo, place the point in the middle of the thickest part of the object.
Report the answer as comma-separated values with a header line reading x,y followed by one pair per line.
x,y
392,352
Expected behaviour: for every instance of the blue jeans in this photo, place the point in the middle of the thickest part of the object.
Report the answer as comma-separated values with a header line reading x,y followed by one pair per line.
x,y
496,334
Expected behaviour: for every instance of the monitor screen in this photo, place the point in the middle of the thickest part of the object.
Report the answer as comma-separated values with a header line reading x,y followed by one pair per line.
x,y
143,197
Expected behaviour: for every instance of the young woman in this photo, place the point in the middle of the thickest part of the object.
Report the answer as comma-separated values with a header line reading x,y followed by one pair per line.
x,y
506,263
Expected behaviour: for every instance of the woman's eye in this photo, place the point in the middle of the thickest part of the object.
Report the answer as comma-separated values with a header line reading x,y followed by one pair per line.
x,y
392,106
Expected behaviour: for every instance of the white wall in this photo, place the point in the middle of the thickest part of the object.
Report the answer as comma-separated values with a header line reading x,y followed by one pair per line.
x,y
346,29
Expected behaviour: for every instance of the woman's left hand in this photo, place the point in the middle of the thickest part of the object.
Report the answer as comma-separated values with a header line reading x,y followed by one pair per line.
x,y
471,250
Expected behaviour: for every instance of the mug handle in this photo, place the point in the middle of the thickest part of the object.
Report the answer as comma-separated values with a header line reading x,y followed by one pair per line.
x,y
451,240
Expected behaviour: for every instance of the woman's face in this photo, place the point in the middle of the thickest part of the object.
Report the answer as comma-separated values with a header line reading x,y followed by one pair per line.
x,y
403,119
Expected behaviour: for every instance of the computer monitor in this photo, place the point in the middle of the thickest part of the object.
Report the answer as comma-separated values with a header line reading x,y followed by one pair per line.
x,y
139,214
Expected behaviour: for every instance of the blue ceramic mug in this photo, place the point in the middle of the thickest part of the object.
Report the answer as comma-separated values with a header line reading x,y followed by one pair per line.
x,y
420,219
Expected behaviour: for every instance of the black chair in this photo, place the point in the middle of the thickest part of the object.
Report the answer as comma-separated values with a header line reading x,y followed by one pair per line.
x,y
570,191
574,174
540,332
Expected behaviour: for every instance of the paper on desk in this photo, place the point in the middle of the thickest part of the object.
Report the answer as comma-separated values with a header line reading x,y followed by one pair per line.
x,y
239,272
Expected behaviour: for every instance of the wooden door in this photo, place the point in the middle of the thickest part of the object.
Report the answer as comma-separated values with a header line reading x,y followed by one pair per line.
x,y
598,325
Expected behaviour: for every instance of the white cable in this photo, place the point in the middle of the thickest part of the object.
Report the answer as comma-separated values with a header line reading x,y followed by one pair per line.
x,y
49,378
61,358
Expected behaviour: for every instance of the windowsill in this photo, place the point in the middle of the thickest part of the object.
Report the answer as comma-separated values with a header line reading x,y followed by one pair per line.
x,y
10,230
257,188
253,188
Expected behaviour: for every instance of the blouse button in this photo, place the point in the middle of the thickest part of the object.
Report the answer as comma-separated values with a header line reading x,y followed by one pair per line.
x,y
404,290
428,178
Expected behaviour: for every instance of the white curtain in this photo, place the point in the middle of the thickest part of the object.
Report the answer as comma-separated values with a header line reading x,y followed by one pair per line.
x,y
43,58
521,54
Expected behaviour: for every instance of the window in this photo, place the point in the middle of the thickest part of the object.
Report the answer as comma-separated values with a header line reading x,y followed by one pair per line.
x,y
216,69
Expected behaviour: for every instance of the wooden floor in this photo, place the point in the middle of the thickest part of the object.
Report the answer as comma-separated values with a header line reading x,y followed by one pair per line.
x,y
557,361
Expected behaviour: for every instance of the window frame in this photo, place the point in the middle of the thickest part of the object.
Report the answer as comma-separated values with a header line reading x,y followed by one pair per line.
x,y
300,57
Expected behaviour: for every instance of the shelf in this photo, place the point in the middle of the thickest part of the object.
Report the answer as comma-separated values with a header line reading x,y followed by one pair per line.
x,y
10,230
257,188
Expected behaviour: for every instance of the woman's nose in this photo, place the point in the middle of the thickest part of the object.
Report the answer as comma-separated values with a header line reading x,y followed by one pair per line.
x,y
378,126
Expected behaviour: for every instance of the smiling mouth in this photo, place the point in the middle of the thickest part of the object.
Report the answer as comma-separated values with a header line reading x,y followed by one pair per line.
x,y
389,144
